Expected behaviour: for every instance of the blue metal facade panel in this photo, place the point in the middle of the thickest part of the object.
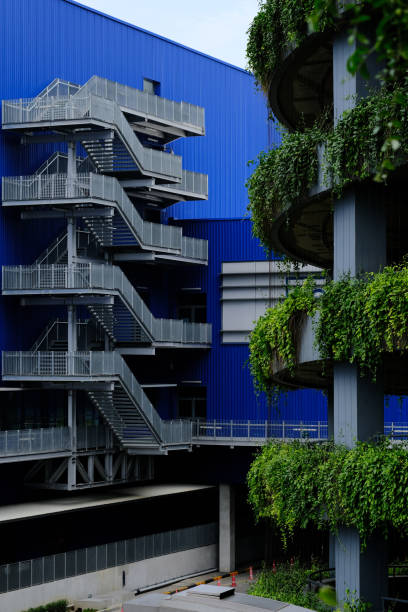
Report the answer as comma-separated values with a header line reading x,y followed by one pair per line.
x,y
45,39
230,391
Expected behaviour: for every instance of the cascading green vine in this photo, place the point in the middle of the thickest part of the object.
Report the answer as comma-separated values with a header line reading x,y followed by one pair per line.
x,y
277,24
273,341
360,320
283,23
363,318
353,151
280,23
299,484
282,176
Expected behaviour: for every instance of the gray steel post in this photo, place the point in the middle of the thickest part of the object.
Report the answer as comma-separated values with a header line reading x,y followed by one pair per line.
x,y
72,425
358,404
227,528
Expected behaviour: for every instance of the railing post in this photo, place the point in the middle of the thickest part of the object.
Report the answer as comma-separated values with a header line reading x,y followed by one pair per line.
x,y
283,430
318,430
231,428
266,429
249,430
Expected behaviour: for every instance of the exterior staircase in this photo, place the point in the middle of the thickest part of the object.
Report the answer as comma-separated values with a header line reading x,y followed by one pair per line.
x,y
126,421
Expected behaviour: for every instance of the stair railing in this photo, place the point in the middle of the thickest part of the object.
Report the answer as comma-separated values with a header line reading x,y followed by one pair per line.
x,y
146,103
53,364
108,278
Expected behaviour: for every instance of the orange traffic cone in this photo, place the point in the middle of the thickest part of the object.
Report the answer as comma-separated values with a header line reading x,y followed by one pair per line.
x,y
234,582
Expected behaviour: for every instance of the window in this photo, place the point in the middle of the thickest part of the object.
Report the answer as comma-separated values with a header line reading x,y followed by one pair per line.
x,y
193,307
192,402
151,87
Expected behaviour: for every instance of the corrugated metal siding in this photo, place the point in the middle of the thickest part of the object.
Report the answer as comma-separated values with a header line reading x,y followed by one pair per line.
x,y
48,38
230,390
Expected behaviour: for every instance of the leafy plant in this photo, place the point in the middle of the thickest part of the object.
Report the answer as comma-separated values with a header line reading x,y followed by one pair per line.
x,y
296,484
360,320
273,342
282,176
54,606
353,151
277,25
287,583
363,318
280,24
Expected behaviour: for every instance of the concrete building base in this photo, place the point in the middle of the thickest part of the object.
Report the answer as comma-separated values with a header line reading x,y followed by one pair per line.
x,y
137,576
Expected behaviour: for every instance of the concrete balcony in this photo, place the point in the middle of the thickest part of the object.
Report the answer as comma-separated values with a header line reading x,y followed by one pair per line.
x,y
312,372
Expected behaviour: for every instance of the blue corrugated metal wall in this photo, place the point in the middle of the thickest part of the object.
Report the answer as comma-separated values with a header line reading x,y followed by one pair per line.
x,y
43,39
230,392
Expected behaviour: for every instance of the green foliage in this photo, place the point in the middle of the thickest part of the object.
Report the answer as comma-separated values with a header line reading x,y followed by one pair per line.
x,y
278,23
360,320
282,176
355,148
354,151
297,484
273,341
54,606
283,23
363,318
287,584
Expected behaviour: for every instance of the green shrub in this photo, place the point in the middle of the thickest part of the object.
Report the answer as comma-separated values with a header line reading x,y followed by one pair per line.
x,y
54,606
282,176
288,584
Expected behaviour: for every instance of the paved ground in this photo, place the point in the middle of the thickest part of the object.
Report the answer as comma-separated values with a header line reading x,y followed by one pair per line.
x,y
242,580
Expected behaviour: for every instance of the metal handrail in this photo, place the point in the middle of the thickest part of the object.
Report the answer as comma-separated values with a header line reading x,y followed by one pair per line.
x,y
89,185
78,107
31,441
146,103
108,278
88,364
262,430
54,253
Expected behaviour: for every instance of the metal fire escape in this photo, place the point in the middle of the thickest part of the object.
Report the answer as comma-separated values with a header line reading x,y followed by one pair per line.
x,y
103,198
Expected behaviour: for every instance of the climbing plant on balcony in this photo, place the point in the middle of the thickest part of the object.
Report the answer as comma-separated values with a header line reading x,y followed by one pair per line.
x,y
282,176
353,151
363,318
277,24
299,484
360,320
280,24
273,342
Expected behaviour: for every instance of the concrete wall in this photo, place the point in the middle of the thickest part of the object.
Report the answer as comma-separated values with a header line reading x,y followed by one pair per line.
x,y
138,575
